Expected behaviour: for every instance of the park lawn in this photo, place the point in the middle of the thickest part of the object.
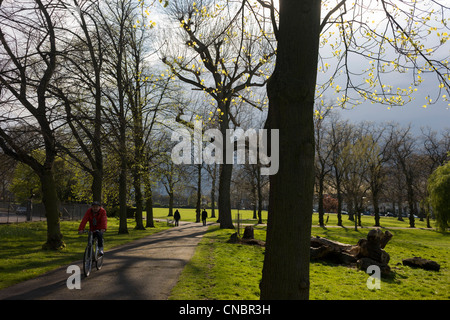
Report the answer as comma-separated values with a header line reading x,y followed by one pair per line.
x,y
228,271
220,270
369,221
22,258
188,214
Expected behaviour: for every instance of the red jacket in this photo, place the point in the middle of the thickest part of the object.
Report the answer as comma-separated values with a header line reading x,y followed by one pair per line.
x,y
100,220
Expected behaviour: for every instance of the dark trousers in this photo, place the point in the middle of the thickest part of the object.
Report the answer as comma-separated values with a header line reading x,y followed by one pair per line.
x,y
99,235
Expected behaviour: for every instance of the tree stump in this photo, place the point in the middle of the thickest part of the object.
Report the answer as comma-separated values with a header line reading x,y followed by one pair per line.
x,y
364,263
233,238
248,233
247,238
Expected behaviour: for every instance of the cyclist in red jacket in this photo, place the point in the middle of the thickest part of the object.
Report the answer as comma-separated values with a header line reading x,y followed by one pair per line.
x,y
96,216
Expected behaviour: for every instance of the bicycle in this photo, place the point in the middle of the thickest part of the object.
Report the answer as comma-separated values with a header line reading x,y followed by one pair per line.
x,y
91,255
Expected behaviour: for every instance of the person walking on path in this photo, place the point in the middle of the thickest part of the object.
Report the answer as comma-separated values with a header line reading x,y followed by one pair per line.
x,y
177,217
204,216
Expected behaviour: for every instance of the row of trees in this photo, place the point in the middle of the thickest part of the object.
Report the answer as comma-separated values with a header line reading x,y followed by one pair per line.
x,y
81,85
77,85
382,163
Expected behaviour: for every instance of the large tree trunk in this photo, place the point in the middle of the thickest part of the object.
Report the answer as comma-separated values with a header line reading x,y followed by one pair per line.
x,y
226,170
411,203
213,191
376,207
97,166
339,208
123,228
321,209
148,201
260,198
291,101
50,200
199,193
138,160
138,199
225,218
170,203
97,178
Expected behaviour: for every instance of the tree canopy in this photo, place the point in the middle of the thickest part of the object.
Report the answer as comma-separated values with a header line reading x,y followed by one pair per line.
x,y
439,190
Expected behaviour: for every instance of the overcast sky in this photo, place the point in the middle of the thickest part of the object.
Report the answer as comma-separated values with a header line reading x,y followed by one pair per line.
x,y
435,116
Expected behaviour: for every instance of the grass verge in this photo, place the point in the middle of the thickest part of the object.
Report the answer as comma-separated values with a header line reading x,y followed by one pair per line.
x,y
220,270
22,258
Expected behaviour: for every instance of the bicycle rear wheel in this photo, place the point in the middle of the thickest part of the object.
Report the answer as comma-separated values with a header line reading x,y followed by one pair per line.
x,y
87,261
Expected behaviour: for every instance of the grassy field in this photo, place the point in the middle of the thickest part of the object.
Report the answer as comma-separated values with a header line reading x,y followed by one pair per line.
x,y
220,270
22,258
247,218
189,214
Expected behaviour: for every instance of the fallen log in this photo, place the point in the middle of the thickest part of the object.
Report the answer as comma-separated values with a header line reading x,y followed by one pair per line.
x,y
418,262
333,251
366,252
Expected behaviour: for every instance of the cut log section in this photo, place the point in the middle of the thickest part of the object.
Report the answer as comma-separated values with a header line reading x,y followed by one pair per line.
x,y
418,262
366,252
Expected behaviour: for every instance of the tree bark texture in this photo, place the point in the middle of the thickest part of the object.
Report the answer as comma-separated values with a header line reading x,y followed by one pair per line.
x,y
224,204
50,200
291,101
226,171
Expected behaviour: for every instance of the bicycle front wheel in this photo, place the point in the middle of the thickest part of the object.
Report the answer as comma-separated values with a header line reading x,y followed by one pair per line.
x,y
87,261
99,262
98,257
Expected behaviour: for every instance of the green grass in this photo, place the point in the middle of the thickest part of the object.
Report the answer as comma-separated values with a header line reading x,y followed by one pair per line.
x,y
369,221
247,218
22,258
220,270
189,214
338,282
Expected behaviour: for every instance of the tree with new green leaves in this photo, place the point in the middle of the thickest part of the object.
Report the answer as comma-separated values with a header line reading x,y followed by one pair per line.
x,y
439,190
225,54
407,36
27,182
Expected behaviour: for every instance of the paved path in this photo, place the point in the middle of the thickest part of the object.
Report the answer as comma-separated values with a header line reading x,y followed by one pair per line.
x,y
144,269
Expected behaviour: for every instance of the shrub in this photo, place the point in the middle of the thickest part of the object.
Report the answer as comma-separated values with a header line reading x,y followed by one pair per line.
x,y
439,191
